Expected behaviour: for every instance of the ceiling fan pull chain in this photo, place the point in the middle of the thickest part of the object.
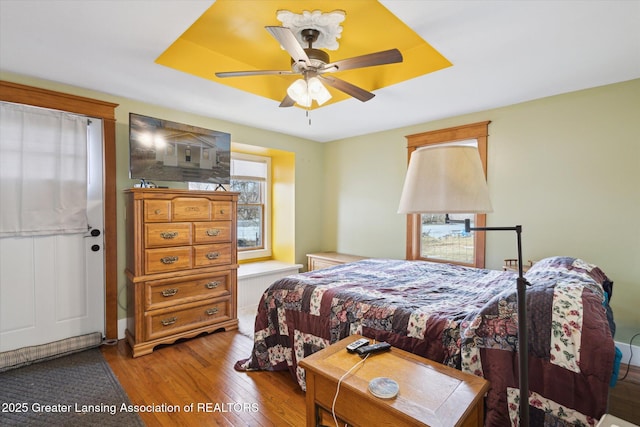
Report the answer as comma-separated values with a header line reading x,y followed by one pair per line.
x,y
309,117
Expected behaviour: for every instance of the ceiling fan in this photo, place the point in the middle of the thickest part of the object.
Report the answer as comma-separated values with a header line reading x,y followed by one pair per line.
x,y
312,64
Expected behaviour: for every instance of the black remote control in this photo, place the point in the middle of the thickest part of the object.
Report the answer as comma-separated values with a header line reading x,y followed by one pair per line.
x,y
373,348
351,348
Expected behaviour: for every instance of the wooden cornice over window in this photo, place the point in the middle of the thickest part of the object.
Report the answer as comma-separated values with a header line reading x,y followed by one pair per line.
x,y
21,94
478,131
38,97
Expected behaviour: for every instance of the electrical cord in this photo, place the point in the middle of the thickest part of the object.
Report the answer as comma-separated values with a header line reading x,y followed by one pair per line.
x,y
335,398
630,357
119,299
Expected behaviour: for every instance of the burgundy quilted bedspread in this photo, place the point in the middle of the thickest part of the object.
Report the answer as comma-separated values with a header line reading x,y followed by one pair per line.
x,y
462,317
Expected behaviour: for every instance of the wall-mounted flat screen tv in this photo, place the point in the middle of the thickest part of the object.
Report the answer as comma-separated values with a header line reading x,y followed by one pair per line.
x,y
161,150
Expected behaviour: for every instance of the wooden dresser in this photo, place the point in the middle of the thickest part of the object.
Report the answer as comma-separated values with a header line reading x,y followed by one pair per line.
x,y
181,265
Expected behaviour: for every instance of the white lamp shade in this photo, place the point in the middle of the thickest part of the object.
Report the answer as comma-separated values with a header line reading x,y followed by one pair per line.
x,y
445,179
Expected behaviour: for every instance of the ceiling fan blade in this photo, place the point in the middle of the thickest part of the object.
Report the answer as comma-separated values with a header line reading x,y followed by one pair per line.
x,y
253,73
347,88
287,102
289,42
390,56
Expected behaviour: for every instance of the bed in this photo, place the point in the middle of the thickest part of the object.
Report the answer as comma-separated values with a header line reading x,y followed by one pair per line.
x,y
459,316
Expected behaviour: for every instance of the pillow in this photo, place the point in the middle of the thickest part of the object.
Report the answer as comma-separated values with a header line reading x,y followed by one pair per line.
x,y
562,264
554,268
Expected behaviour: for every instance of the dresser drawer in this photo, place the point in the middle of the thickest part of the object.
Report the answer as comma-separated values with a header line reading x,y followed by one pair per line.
x,y
170,292
221,210
211,232
319,264
216,254
157,210
320,260
167,259
158,235
192,316
190,209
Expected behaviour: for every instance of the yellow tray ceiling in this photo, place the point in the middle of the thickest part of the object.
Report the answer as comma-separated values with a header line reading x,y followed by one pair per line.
x,y
230,36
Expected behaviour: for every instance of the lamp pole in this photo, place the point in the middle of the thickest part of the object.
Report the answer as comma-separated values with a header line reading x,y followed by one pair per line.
x,y
523,341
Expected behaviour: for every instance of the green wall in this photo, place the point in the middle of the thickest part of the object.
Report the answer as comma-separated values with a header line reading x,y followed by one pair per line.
x,y
566,168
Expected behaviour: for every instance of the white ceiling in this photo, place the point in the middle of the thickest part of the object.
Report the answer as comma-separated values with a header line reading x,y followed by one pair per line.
x,y
504,52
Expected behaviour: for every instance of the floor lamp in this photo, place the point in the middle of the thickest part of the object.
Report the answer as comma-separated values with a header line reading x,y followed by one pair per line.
x,y
446,179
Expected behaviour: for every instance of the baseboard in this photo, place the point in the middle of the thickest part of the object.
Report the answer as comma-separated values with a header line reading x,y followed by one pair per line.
x,y
627,357
249,310
122,326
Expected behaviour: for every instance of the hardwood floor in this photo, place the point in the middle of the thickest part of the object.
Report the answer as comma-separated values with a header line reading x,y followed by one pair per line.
x,y
624,399
200,372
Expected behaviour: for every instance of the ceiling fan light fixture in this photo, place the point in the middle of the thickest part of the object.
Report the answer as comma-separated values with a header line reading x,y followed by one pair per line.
x,y
317,91
299,92
305,92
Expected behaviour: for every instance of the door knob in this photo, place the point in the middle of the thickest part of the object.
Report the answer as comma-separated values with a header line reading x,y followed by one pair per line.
x,y
93,233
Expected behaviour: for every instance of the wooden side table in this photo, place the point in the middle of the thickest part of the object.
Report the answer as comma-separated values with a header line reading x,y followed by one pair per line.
x,y
430,394
319,260
511,264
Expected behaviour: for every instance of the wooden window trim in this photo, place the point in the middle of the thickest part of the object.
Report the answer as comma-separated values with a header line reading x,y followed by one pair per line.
x,y
478,131
28,95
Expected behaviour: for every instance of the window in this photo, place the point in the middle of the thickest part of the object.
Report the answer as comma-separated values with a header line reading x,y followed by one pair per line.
x,y
251,177
447,241
430,237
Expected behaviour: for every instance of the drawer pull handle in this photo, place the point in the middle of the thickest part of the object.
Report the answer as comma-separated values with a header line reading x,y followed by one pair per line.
x,y
168,259
212,311
213,232
212,255
221,211
157,211
169,321
212,285
169,292
169,234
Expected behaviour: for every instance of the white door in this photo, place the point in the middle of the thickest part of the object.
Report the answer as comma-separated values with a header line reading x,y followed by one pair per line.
x,y
52,287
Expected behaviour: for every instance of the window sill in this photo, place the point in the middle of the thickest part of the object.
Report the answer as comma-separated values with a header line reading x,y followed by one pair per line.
x,y
260,268
257,254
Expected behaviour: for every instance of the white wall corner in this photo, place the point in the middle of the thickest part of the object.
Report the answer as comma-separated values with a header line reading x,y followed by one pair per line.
x,y
122,326
627,351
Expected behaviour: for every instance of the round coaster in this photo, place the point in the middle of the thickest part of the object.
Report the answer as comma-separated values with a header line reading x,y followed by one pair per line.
x,y
383,387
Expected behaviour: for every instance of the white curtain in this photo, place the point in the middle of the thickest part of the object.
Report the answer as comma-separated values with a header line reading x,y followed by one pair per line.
x,y
43,171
